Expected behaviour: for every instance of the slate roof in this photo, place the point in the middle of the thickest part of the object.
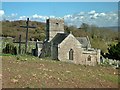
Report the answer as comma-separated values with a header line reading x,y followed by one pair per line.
x,y
59,38
83,41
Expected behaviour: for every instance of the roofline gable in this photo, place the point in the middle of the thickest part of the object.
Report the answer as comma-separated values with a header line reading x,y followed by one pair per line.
x,y
72,36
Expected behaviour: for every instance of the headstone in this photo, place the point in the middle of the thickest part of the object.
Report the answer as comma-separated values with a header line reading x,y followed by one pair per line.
x,y
111,61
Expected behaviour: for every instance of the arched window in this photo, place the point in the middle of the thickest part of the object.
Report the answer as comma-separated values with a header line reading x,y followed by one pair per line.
x,y
71,54
89,58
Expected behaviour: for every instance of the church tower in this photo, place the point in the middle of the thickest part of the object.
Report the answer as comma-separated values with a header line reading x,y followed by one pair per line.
x,y
53,26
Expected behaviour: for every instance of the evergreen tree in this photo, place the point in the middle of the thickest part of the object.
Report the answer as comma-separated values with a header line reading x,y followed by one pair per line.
x,y
114,51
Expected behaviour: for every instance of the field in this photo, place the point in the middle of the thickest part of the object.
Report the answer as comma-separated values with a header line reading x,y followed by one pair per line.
x,y
33,72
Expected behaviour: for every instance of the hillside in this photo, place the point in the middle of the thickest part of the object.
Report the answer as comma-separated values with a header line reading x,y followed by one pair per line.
x,y
12,28
33,72
99,37
114,28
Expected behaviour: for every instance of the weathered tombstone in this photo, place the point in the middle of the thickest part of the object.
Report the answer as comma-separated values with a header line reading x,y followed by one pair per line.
x,y
117,67
111,62
37,51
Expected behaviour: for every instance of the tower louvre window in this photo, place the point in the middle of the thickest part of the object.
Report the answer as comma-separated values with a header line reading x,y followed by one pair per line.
x,y
57,23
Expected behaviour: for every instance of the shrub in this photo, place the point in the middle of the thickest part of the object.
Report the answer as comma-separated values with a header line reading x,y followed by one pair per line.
x,y
10,49
114,51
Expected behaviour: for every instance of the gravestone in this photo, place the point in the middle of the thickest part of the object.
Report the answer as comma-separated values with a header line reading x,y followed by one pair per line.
x,y
38,49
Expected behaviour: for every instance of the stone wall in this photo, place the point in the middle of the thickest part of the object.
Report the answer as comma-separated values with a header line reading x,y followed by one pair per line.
x,y
93,58
70,42
79,55
54,51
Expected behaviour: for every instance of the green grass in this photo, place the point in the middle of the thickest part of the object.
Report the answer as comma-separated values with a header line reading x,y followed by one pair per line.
x,y
110,78
1,54
33,72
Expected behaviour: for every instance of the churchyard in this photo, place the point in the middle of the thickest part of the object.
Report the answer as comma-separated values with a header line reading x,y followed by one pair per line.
x,y
27,71
32,72
59,45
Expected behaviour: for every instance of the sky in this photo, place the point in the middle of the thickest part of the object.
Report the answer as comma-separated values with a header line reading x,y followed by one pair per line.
x,y
74,13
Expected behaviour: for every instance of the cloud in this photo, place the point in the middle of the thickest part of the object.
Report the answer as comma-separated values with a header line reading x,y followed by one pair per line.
x,y
2,12
92,17
23,17
39,18
52,17
102,14
14,14
81,13
101,19
82,17
95,16
67,16
92,12
10,17
35,16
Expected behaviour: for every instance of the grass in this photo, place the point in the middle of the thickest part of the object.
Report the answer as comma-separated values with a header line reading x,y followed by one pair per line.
x,y
32,72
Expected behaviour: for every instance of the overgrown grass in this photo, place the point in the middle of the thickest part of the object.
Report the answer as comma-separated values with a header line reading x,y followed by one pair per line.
x,y
2,54
33,72
110,78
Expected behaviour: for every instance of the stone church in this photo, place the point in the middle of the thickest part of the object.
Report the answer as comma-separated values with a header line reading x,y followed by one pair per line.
x,y
65,47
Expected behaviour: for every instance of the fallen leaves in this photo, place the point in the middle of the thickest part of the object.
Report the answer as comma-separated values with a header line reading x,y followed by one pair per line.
x,y
34,75
59,79
68,71
14,80
50,77
19,76
34,72
8,69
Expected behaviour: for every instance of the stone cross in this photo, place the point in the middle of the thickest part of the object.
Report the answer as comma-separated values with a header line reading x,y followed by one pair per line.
x,y
20,44
36,44
27,26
